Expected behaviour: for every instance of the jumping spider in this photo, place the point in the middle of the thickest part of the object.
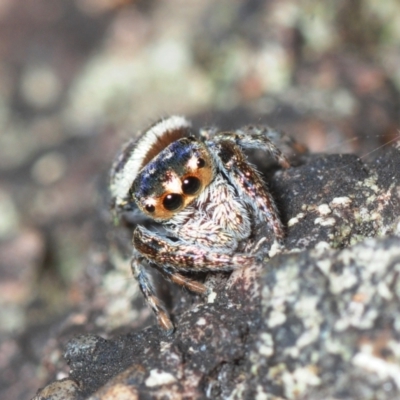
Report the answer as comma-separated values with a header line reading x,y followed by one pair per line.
x,y
213,208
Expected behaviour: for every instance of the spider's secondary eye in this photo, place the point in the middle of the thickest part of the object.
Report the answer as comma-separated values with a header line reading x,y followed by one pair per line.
x,y
150,208
200,163
191,185
172,201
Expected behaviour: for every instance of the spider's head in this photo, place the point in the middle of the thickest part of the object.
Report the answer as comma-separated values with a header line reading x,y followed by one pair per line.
x,y
164,171
173,179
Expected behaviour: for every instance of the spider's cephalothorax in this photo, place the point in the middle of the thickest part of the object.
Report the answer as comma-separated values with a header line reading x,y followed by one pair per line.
x,y
214,208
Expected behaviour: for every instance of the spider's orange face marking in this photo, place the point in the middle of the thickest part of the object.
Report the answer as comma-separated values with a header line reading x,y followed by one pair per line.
x,y
173,179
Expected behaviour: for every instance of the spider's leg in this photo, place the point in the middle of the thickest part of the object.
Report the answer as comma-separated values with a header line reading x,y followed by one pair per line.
x,y
182,256
256,137
146,286
250,183
280,139
181,280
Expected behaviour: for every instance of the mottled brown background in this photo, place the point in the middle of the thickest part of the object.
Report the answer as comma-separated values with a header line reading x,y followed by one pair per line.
x,y
79,76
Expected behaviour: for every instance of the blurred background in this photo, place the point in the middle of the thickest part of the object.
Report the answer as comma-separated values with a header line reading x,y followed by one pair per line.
x,y
78,77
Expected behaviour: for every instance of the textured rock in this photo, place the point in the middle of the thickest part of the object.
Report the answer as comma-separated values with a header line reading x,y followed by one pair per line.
x,y
320,320
330,324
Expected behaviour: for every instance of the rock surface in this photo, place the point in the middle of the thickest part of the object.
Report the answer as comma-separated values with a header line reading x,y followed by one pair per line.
x,y
320,320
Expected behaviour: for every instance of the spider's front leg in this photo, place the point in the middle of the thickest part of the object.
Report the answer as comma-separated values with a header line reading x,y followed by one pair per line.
x,y
256,137
272,140
183,256
147,288
144,279
170,257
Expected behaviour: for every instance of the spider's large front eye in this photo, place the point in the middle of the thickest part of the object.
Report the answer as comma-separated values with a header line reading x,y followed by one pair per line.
x,y
191,185
172,201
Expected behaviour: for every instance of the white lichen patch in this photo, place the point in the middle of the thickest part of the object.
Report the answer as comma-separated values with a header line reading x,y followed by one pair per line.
x,y
292,352
371,183
211,297
337,347
373,258
276,318
307,376
261,395
371,199
286,282
306,307
324,209
343,201
275,371
275,249
367,320
297,382
295,220
266,345
158,378
121,391
324,265
342,282
355,311
322,246
308,337
237,393
384,291
325,221
164,346
306,310
384,369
